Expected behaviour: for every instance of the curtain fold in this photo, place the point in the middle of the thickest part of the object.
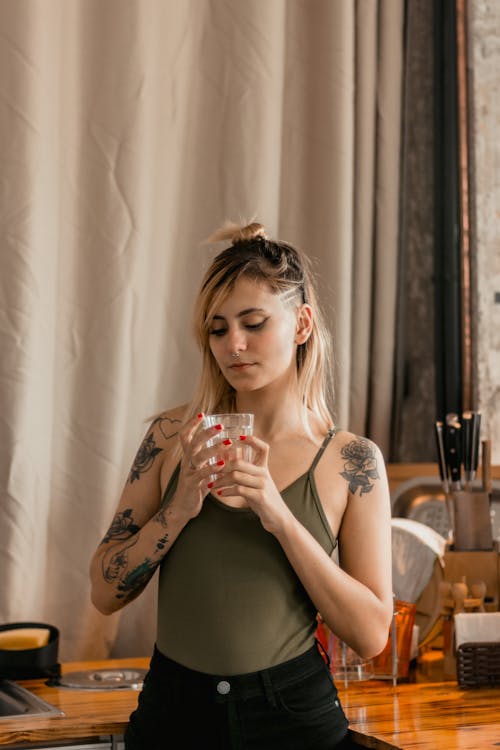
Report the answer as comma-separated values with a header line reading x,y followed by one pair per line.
x,y
386,199
365,104
130,129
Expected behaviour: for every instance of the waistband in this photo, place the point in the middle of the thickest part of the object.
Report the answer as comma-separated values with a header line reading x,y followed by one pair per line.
x,y
245,686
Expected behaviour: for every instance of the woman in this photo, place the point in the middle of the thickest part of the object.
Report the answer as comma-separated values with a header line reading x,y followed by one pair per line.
x,y
247,559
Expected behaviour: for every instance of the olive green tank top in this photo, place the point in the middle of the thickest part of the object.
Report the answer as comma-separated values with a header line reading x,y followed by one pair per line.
x,y
229,602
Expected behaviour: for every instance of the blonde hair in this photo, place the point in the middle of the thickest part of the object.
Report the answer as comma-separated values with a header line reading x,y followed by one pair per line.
x,y
287,272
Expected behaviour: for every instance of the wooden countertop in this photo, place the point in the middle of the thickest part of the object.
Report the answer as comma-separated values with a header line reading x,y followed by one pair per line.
x,y
87,713
425,716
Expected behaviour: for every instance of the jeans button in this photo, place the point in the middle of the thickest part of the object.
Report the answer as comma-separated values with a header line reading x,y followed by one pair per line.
x,y
223,687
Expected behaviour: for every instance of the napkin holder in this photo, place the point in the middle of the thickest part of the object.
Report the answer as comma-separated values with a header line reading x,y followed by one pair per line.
x,y
477,638
478,664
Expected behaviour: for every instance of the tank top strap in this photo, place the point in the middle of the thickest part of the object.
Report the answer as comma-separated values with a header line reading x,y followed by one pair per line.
x,y
331,434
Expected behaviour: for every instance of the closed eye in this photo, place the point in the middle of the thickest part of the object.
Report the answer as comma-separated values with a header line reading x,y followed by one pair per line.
x,y
248,326
255,326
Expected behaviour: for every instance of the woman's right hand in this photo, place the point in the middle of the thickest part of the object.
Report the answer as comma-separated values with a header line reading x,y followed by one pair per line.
x,y
196,473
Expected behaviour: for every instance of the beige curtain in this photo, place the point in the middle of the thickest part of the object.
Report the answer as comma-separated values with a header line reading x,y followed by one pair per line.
x,y
129,129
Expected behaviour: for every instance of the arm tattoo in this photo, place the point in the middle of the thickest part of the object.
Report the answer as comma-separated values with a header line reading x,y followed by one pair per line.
x,y
122,527
144,458
166,431
148,449
360,467
115,561
161,516
133,581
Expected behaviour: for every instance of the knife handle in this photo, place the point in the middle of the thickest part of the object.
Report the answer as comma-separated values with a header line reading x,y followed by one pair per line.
x,y
486,466
467,444
453,440
443,471
476,432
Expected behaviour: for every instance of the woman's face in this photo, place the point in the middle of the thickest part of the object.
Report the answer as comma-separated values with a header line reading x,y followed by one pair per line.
x,y
255,323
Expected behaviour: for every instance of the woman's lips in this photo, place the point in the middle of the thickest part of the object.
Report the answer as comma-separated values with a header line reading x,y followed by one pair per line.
x,y
240,366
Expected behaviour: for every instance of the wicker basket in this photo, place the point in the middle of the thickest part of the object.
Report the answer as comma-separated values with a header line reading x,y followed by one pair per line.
x,y
478,664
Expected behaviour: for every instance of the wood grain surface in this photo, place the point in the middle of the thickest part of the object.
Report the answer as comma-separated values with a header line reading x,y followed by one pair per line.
x,y
423,716
87,713
426,716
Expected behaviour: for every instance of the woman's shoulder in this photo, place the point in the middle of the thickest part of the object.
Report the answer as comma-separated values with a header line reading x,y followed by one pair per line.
x,y
359,460
349,443
346,448
350,452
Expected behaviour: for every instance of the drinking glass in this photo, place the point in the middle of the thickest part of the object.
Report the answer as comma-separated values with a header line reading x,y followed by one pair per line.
x,y
233,425
345,664
394,661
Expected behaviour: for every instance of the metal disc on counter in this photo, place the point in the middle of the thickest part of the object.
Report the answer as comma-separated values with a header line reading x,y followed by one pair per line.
x,y
104,679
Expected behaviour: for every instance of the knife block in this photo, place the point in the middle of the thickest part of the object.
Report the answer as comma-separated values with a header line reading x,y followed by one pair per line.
x,y
471,521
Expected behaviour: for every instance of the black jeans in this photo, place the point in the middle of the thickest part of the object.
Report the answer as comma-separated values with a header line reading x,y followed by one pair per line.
x,y
293,706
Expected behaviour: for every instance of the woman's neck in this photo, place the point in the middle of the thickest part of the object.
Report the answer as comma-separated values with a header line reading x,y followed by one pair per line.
x,y
274,416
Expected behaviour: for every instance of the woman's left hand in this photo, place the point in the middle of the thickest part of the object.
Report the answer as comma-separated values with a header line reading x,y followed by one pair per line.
x,y
252,482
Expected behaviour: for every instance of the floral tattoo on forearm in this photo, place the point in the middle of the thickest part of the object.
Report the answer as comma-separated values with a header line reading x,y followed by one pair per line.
x,y
115,565
122,527
360,468
148,449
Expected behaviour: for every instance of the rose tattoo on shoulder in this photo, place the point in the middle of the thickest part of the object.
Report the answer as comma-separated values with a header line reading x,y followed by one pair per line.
x,y
360,467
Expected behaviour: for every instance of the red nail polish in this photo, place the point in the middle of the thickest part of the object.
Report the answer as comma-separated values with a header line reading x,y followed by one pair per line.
x,y
243,437
210,485
227,442
218,426
221,462
219,492
200,415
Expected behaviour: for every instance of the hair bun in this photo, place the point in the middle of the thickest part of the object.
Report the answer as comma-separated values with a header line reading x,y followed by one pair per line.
x,y
238,233
250,232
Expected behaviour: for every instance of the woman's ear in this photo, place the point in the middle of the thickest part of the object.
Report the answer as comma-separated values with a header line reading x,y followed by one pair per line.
x,y
304,324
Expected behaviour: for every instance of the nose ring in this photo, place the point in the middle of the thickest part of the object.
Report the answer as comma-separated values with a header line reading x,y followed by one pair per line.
x,y
235,355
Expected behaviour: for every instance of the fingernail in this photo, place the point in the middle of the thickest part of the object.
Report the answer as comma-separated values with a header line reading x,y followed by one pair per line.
x,y
218,426
219,492
221,462
210,485
200,415
243,437
227,442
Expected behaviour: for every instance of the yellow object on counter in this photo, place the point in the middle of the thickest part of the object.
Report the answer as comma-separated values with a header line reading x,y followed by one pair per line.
x,y
19,639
